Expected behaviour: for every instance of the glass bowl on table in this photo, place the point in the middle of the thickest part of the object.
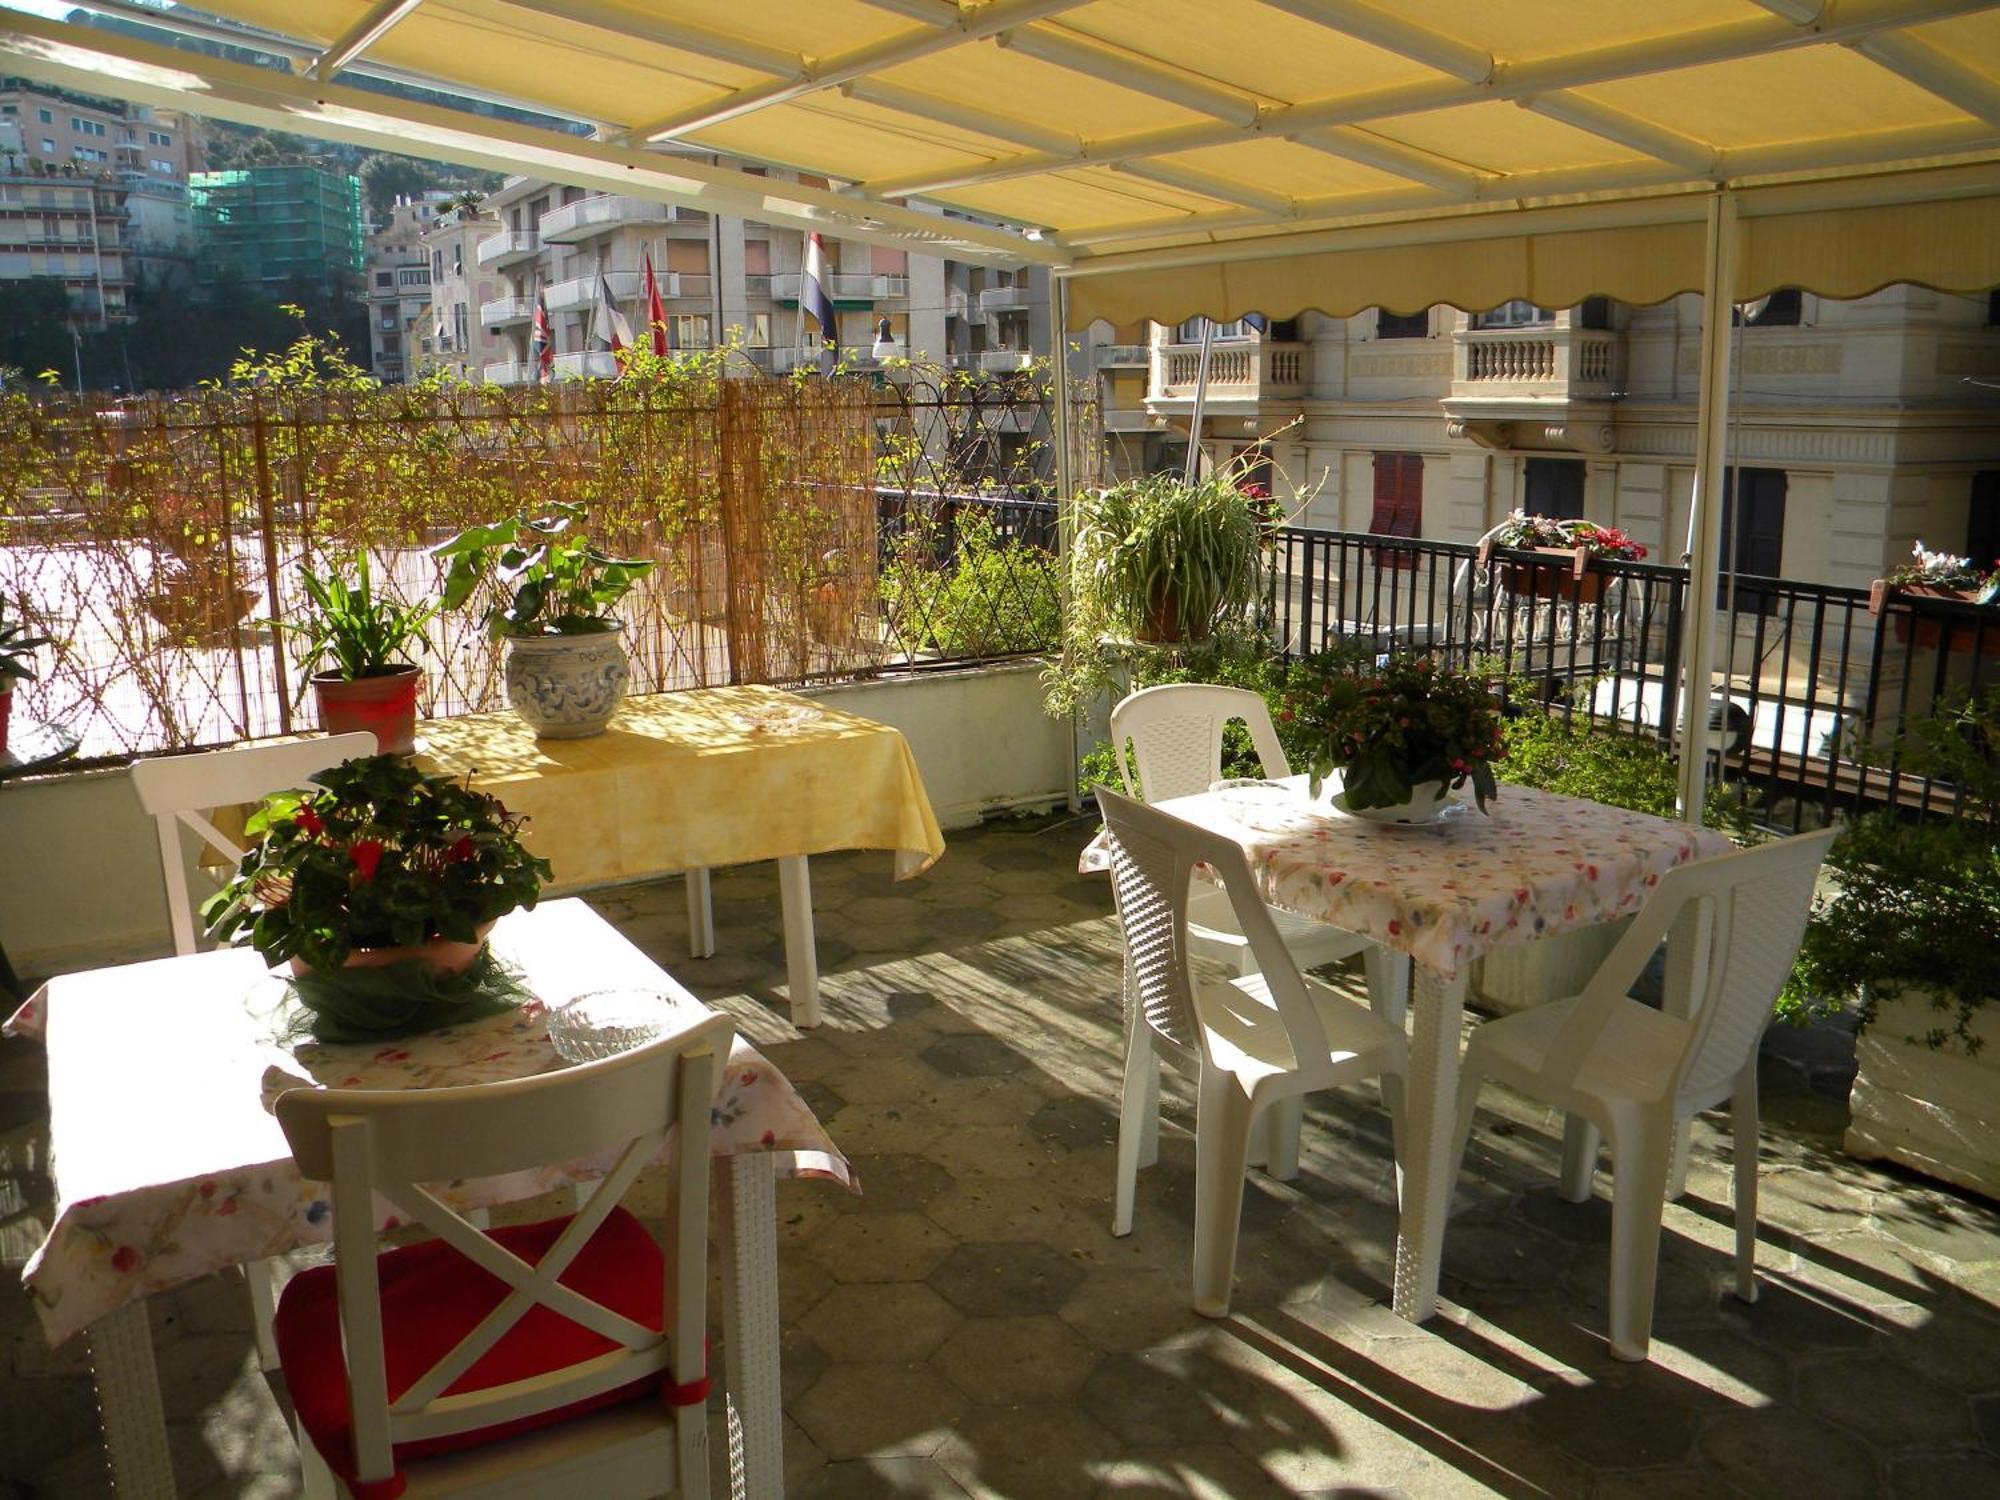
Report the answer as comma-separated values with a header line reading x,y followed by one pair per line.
x,y
603,1023
778,718
1268,806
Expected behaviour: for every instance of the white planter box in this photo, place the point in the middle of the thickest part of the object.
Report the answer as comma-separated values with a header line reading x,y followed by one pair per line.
x,y
1935,1110
1551,968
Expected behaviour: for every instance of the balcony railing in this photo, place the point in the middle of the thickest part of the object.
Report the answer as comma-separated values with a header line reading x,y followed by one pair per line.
x,y
509,372
1123,356
502,312
1236,372
580,292
602,213
1003,299
1535,363
846,286
509,247
589,364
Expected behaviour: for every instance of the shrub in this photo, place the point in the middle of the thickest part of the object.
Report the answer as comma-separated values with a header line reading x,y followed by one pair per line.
x,y
994,597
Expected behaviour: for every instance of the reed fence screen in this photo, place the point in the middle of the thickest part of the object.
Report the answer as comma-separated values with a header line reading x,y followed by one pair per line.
x,y
802,529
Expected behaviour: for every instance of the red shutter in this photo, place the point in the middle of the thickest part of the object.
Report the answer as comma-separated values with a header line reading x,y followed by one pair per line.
x,y
1399,502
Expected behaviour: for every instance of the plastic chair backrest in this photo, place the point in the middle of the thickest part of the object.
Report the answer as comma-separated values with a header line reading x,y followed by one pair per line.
x,y
1153,857
388,1142
179,789
1745,912
1175,734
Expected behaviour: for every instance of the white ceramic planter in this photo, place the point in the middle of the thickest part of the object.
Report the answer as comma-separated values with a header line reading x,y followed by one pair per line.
x,y
1935,1110
1551,968
1427,799
567,686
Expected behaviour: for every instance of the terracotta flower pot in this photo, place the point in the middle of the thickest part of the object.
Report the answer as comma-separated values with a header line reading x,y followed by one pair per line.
x,y
1163,623
444,957
1529,581
1924,630
385,706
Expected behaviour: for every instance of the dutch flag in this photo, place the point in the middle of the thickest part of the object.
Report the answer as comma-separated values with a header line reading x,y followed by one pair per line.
x,y
813,296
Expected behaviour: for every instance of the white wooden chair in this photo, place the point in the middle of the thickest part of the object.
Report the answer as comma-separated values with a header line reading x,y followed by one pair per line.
x,y
180,791
1636,1074
1172,734
1261,1039
560,1358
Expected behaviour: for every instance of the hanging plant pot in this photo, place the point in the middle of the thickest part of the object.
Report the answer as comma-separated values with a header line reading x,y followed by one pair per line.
x,y
384,705
1924,631
567,687
1164,624
1580,582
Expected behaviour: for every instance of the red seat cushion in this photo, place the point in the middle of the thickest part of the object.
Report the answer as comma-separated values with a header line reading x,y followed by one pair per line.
x,y
431,1298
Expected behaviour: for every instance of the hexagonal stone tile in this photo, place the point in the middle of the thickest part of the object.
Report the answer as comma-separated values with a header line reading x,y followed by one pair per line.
x,y
1885,1401
1076,1122
878,1410
894,1182
878,1479
1503,1257
1132,1309
833,952
994,1209
1006,1280
820,1097
881,1247
1146,1403
1927,1475
963,923
991,1151
1011,1360
894,1321
1789,1317
973,1055
880,1080
1630,1424
800,1363
1047,1452
1786,1452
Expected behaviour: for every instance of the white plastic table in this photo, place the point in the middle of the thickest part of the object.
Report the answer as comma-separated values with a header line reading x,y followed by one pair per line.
x,y
169,1165
1538,864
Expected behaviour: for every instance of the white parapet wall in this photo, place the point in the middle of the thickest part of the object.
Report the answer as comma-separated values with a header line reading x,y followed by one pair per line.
x,y
80,866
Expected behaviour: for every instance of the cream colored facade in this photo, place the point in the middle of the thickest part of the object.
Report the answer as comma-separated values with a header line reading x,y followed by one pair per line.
x,y
1881,414
397,280
450,336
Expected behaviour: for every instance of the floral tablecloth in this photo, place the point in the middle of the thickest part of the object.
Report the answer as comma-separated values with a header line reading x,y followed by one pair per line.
x,y
169,1164
1537,863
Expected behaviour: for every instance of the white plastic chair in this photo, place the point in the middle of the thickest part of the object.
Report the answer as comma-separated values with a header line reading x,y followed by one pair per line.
x,y
1636,1074
1251,1044
180,790
622,1413
1172,734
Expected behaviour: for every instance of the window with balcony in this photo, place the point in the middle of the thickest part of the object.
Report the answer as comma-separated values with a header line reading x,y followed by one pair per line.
x,y
1982,522
1190,331
1514,314
1553,487
1399,504
1753,534
1416,325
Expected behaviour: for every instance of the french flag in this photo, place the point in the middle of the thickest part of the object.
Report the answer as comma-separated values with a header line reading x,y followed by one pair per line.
x,y
813,296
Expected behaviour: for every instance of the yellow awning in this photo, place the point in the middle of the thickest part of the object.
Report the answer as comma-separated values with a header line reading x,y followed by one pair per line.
x,y
1260,136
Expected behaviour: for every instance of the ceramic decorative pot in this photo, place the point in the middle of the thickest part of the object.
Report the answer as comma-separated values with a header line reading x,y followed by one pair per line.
x,y
444,956
385,706
1427,800
567,686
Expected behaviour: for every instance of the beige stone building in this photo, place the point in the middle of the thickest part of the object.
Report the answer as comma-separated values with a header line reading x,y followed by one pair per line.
x,y
398,280
452,335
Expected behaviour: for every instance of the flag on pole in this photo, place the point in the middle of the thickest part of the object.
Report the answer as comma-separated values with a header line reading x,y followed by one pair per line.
x,y
541,345
656,312
607,323
814,300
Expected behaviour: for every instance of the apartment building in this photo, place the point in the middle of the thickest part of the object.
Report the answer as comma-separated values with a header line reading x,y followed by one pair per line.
x,y
398,280
449,333
93,192
280,226
1856,428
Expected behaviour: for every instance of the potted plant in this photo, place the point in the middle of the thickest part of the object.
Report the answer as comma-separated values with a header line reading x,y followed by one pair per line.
x,y
1579,542
1168,561
194,591
1934,575
1402,735
566,665
17,663
364,635
1904,941
377,885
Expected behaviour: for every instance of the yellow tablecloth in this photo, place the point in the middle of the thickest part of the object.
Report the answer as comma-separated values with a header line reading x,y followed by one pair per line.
x,y
678,782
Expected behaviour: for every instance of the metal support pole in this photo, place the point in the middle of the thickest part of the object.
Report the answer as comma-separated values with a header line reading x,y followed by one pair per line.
x,y
1711,432
1065,482
1193,465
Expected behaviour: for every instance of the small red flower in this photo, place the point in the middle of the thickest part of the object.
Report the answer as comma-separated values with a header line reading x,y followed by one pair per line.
x,y
311,821
769,1138
366,855
125,1260
207,1190
225,1208
462,851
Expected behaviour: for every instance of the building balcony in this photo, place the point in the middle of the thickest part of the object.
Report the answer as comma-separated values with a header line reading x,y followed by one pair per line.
x,y
503,312
580,292
845,286
1004,299
602,213
1123,356
1544,386
588,364
999,361
1118,419
1239,376
509,372
508,248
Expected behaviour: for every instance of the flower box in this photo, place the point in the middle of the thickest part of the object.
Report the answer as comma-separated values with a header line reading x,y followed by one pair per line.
x,y
1936,1111
1925,630
1524,580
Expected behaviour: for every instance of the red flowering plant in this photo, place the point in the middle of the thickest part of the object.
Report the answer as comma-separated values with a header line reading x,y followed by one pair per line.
x,y
1394,727
1527,532
375,854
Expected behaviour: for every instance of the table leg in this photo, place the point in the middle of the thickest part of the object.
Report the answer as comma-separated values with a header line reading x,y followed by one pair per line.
x,y
128,1404
1431,1104
748,1247
701,915
1687,945
801,962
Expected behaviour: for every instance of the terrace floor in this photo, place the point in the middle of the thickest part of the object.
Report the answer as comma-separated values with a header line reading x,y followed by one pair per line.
x,y
969,1325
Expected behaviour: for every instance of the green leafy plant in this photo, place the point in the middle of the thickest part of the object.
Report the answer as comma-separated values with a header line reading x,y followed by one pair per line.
x,y
1169,560
561,582
1394,728
1564,753
995,596
17,650
363,633
378,855
1945,570
1915,907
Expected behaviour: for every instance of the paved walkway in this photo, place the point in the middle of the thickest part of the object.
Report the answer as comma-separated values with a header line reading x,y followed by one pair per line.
x,y
969,1326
